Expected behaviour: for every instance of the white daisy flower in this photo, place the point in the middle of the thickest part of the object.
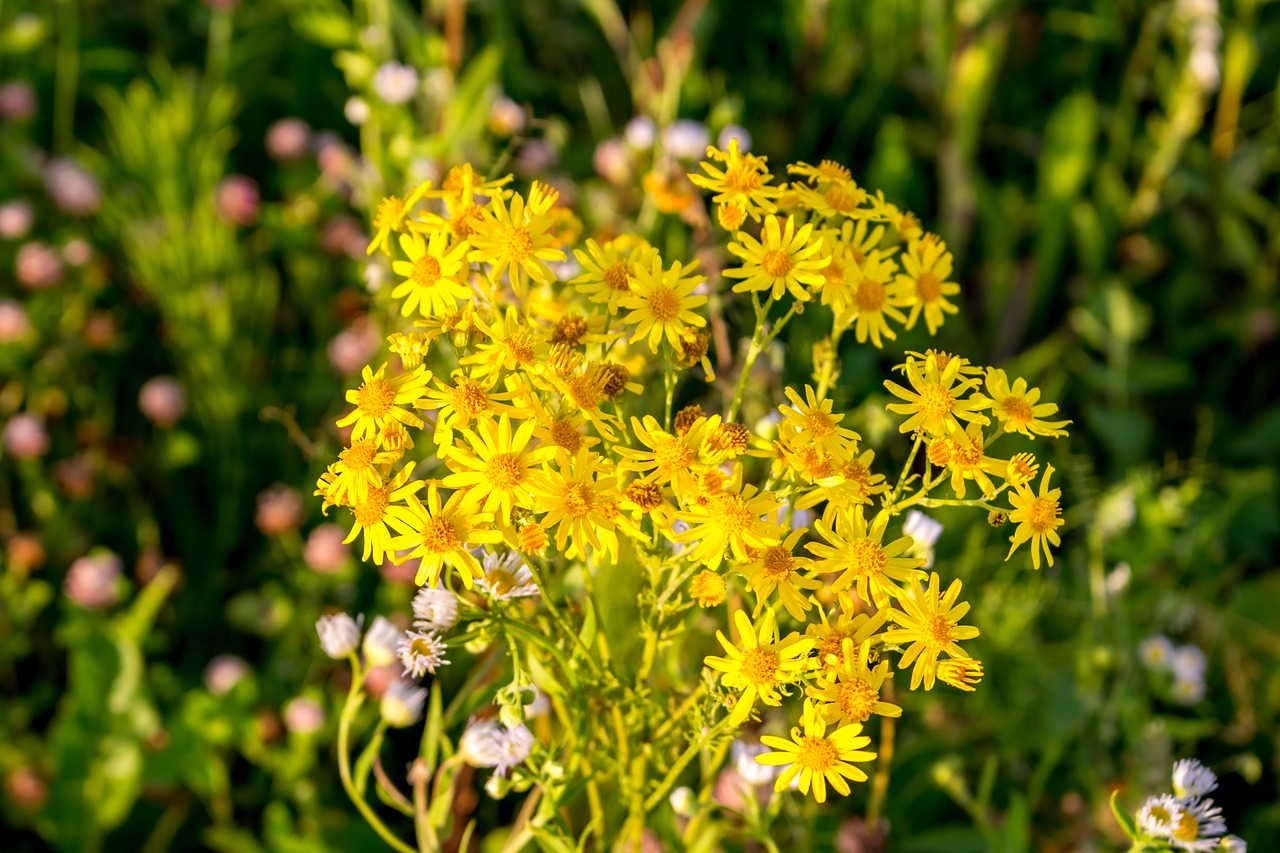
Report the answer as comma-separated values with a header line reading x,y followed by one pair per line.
x,y
395,83
751,771
1159,814
1156,652
339,635
1189,663
1199,827
507,577
1191,779
922,528
479,745
1189,691
435,608
514,744
402,704
381,642
421,652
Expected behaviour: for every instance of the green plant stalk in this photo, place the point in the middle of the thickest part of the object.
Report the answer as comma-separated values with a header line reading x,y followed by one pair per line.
x,y
753,352
67,76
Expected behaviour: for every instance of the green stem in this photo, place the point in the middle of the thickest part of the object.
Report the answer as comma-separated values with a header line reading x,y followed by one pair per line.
x,y
753,352
673,775
67,77
892,503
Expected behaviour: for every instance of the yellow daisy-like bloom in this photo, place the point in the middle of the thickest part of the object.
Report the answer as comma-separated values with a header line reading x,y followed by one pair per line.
x,y
904,222
967,461
708,588
856,550
923,283
1017,409
580,505
873,300
778,568
608,270
834,198
565,431
378,400
499,469
383,510
584,389
729,520
928,621
465,400
1038,517
812,422
431,283
511,344
661,302
787,259
515,241
443,534
829,636
818,759
642,498
669,458
849,692
391,214
855,483
1022,468
934,404
461,185
762,664
961,673
358,469
743,183
826,172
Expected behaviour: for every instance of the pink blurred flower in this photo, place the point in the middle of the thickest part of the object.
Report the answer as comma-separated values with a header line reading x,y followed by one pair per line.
x,y
25,436
14,325
405,573
380,678
324,551
74,191
16,218
162,401
236,200
613,161
288,139
100,330
26,788
17,101
279,510
37,266
506,117
77,252
92,581
25,550
303,716
75,476
342,236
224,672
354,346
536,157
395,83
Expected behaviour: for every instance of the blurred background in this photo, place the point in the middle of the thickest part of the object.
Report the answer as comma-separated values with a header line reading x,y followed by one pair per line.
x,y
184,198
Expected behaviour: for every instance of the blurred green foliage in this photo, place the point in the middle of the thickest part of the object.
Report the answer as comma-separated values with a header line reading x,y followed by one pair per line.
x,y
1116,224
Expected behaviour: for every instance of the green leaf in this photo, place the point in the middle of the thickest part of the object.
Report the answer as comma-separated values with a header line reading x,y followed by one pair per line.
x,y
588,633
1122,817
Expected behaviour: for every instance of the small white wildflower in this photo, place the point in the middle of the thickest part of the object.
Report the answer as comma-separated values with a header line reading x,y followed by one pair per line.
x,y
732,132
641,133
744,756
1156,652
1158,815
421,652
1234,844
339,635
395,82
539,705
402,704
1118,579
435,608
1189,663
514,744
686,139
1189,691
923,529
356,110
381,642
479,745
682,801
1198,828
1191,779
507,577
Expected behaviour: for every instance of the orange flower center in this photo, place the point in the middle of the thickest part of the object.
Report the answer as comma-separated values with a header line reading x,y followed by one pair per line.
x,y
564,435
817,754
518,245
760,667
578,499
870,295
778,563
672,455
618,276
857,699
777,263
359,455
742,178
928,287
938,632
866,557
936,401
732,514
372,509
664,303
469,398
504,471
439,536
426,271
1017,409
375,398
1042,515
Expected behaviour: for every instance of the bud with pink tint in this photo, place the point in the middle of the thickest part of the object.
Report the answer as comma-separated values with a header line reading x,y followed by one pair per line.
x,y
506,117
14,325
77,252
25,551
26,788
37,266
353,348
16,219
93,582
17,101
303,716
100,330
325,551
236,200
613,161
224,672
279,510
162,401
71,188
25,436
288,140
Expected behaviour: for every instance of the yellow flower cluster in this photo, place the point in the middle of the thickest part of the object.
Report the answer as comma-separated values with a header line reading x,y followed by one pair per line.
x,y
521,364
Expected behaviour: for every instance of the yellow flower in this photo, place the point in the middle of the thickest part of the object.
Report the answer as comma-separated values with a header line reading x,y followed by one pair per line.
x,y
1038,518
904,222
584,389
826,172
661,302
742,183
1022,468
412,348
854,483
608,270
786,259
642,498
378,400
381,511
829,637
967,460
669,458
729,520
934,403
873,300
565,431
465,400
515,241
581,505
778,568
359,468
834,198
431,283
961,673
391,214
443,535
849,692
856,550
461,185
812,423
923,283
928,621
499,469
818,759
708,587
1016,408
762,664
511,344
